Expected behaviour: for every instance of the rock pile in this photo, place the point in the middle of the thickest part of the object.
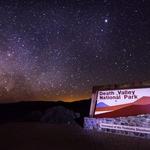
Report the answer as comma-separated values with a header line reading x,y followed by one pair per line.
x,y
141,121
60,115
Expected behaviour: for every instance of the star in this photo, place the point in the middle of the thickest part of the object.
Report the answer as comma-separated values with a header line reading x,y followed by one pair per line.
x,y
62,50
106,20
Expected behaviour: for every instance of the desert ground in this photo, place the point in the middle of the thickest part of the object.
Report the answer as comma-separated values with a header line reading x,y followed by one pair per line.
x,y
45,136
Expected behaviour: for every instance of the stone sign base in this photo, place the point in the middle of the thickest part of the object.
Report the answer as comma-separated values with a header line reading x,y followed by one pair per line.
x,y
137,126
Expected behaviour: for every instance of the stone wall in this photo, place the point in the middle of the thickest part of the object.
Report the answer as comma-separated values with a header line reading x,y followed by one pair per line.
x,y
142,121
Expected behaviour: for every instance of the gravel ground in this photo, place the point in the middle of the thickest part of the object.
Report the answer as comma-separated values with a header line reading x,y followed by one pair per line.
x,y
42,136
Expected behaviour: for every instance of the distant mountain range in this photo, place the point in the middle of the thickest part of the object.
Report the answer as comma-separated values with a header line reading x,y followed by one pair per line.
x,y
21,111
141,106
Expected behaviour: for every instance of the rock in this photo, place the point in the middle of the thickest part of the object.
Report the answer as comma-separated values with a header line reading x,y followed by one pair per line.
x,y
60,115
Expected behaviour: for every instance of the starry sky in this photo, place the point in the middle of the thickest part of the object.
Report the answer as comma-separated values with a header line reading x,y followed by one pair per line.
x,y
60,49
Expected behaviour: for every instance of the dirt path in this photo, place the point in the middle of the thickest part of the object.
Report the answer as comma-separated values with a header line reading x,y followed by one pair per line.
x,y
37,136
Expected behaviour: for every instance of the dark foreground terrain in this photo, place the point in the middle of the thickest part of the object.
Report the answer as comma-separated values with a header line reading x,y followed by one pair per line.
x,y
44,136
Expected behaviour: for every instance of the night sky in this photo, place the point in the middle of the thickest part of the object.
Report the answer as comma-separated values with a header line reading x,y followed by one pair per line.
x,y
60,49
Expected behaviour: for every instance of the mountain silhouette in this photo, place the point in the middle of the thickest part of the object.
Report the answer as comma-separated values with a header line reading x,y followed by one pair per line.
x,y
101,104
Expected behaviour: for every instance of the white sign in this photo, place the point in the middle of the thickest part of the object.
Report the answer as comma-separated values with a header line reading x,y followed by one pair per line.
x,y
125,128
112,100
118,97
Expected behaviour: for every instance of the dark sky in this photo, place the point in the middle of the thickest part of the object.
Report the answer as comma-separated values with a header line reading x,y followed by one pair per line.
x,y
59,49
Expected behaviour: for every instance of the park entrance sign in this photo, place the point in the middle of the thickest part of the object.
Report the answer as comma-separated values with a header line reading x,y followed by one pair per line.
x,y
122,109
122,102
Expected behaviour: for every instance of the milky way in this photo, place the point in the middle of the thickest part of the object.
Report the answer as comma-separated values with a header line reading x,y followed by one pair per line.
x,y
58,50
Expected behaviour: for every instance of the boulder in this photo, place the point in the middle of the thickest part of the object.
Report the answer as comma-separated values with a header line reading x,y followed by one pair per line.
x,y
59,115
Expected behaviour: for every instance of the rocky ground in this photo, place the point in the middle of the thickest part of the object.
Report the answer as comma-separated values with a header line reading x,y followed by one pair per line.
x,y
45,136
